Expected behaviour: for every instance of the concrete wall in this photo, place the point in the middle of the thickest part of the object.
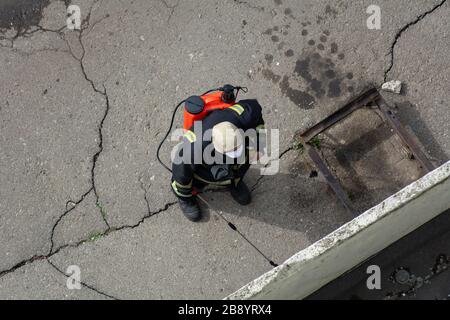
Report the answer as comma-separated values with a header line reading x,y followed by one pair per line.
x,y
361,238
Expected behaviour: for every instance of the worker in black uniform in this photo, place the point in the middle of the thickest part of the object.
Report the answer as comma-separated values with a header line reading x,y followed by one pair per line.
x,y
228,143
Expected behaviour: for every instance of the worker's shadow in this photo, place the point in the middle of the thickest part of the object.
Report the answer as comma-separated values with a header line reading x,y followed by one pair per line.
x,y
295,202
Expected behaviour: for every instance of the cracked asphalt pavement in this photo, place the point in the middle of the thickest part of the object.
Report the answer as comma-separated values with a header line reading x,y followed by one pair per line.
x,y
82,113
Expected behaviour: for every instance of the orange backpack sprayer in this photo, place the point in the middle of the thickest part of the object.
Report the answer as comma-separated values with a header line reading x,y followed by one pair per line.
x,y
198,107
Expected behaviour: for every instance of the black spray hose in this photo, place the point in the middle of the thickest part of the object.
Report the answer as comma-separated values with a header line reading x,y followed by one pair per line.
x,y
243,89
167,134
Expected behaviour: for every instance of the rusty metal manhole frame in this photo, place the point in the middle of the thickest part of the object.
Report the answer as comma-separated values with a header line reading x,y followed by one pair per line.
x,y
373,98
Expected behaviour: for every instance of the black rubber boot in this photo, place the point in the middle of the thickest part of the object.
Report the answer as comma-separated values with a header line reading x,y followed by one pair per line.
x,y
241,194
191,209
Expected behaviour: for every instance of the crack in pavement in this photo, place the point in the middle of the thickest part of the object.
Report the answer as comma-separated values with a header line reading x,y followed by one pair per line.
x,y
145,195
68,210
404,29
84,26
144,218
95,157
22,16
79,243
82,283
29,34
172,8
53,251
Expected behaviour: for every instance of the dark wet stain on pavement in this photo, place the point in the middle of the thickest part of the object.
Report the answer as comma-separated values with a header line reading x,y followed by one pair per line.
x,y
21,14
334,48
289,53
315,74
300,98
268,74
269,59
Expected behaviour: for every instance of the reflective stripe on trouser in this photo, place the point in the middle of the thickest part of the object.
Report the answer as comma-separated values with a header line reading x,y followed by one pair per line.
x,y
184,191
218,183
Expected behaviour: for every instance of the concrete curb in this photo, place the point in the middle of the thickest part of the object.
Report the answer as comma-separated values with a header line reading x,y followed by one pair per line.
x,y
354,242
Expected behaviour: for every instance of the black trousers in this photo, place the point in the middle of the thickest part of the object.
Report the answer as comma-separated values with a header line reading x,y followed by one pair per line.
x,y
199,183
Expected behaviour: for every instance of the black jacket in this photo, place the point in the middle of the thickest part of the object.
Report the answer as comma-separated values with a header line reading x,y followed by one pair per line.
x,y
246,114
